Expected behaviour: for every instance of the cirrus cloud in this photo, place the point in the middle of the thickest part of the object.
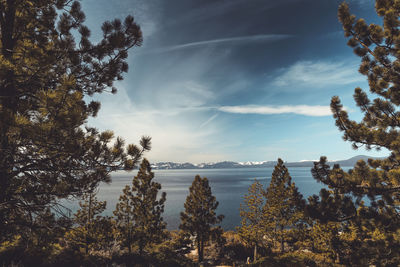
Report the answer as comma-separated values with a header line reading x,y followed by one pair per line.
x,y
306,110
261,38
319,74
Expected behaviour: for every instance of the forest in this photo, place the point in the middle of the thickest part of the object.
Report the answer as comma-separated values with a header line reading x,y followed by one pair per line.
x,y
50,68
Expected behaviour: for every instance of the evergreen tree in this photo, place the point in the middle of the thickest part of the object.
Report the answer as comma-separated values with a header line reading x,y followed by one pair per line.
x,y
199,216
125,218
42,242
139,213
48,70
324,239
284,205
172,252
91,229
379,49
251,230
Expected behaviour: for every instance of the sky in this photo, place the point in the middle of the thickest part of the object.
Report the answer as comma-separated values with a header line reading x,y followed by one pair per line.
x,y
235,80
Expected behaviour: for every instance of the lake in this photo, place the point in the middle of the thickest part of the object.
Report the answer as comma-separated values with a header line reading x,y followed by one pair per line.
x,y
227,185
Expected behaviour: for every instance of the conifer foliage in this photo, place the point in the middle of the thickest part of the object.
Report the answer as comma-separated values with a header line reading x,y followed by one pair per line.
x,y
139,211
284,205
48,70
252,228
379,221
199,216
92,230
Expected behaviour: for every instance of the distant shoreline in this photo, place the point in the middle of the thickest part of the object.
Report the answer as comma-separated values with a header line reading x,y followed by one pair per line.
x,y
240,165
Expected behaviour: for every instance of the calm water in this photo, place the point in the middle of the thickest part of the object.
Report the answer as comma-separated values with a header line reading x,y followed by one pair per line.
x,y
227,185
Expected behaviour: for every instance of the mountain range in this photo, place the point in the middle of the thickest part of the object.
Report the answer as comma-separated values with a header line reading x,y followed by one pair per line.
x,y
251,164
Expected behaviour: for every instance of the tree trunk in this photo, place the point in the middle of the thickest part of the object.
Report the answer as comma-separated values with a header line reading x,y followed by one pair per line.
x,y
88,225
129,240
141,246
282,241
8,104
86,247
200,250
255,253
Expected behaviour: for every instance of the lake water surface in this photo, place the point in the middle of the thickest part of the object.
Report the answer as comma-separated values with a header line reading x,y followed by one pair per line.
x,y
227,185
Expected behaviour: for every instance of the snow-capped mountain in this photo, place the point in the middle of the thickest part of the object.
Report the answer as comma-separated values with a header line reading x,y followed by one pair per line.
x,y
250,164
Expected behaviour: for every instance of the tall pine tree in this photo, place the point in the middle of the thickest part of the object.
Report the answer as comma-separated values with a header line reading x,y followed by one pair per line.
x,y
379,180
139,212
48,70
252,229
91,230
200,216
284,205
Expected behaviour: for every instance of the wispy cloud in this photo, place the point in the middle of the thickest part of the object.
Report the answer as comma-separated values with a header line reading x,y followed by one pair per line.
x,y
209,120
319,74
265,38
175,131
306,110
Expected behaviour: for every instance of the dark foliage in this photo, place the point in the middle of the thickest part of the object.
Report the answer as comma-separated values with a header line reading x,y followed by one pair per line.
x,y
376,222
139,211
48,68
199,216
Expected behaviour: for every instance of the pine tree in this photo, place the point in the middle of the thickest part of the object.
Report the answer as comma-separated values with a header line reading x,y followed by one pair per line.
x,y
379,49
284,205
125,218
92,230
42,242
251,230
48,70
172,252
200,215
139,213
324,240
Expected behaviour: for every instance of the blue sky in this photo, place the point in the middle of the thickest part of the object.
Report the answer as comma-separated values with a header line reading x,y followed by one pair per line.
x,y
233,80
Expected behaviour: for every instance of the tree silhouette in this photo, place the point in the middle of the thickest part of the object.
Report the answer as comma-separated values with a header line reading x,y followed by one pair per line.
x,y
378,220
91,229
48,70
252,228
139,212
284,205
199,215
